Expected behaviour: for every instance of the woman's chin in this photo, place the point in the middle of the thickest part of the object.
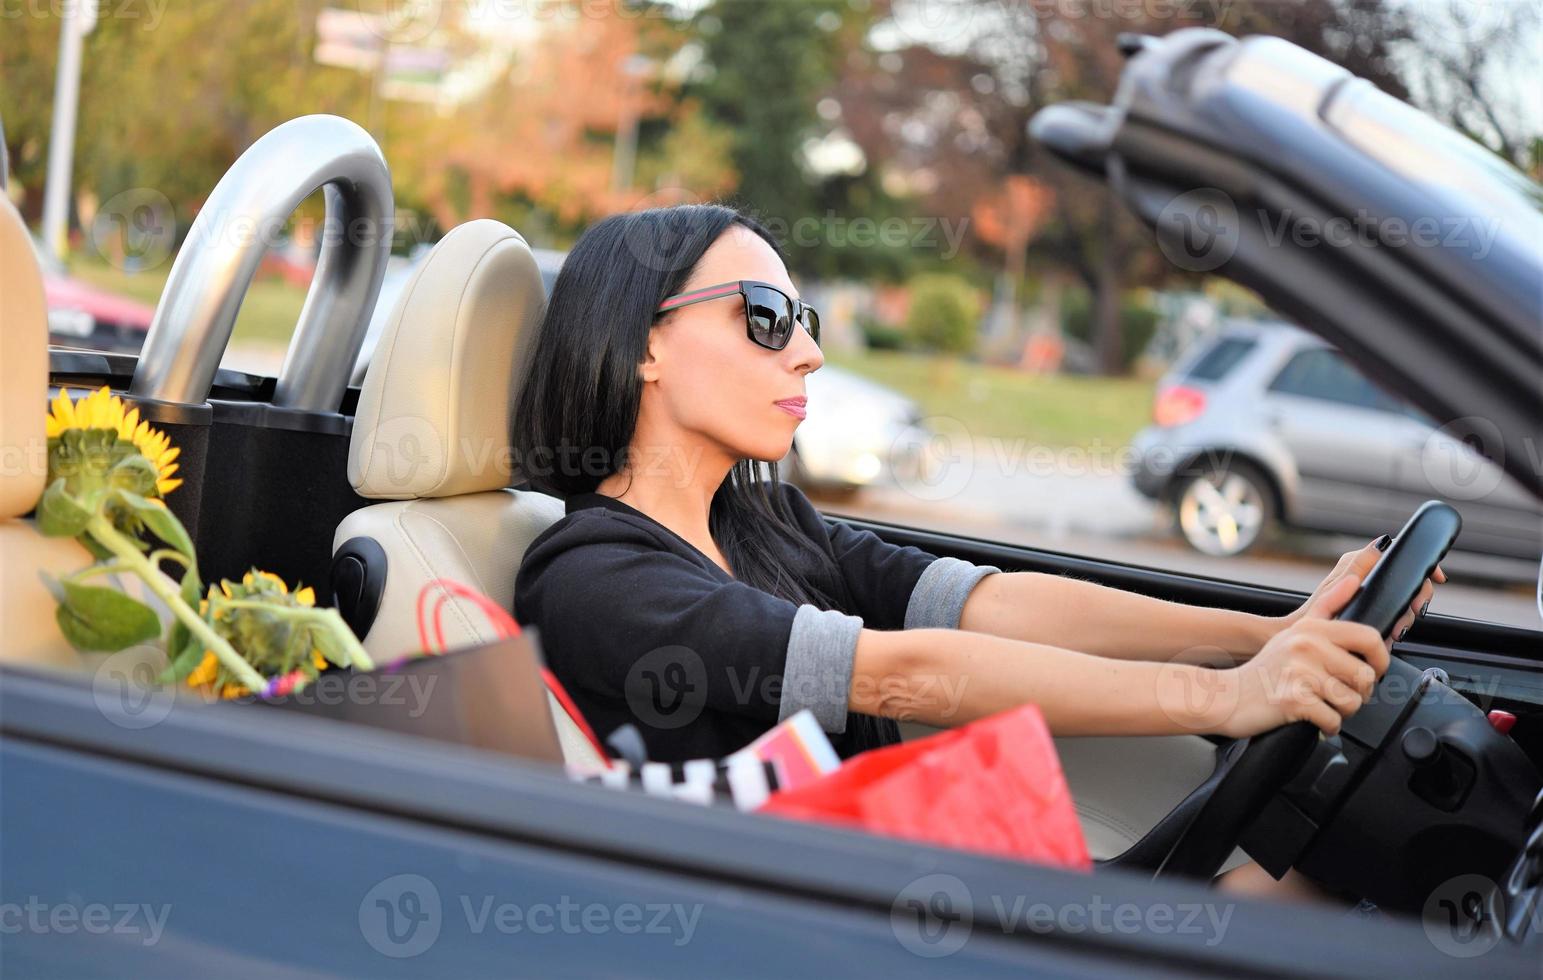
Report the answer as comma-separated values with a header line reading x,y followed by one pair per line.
x,y
770,454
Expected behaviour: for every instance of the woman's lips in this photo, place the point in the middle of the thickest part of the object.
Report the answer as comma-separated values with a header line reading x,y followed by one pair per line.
x,y
796,407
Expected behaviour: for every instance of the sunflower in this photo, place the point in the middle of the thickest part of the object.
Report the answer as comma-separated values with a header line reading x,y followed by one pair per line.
x,y
254,584
103,410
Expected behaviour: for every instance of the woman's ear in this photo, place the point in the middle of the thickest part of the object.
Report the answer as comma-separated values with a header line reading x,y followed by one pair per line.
x,y
648,369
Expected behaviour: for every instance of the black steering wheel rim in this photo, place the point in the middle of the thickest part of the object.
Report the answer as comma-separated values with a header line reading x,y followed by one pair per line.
x,y
1269,760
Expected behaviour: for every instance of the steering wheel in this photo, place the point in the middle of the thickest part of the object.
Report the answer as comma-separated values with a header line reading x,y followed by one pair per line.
x,y
1268,761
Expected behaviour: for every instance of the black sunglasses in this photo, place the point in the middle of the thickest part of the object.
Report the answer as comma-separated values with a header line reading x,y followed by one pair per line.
x,y
769,312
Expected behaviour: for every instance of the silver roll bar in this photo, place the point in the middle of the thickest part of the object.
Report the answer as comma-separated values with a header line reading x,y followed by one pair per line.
x,y
242,218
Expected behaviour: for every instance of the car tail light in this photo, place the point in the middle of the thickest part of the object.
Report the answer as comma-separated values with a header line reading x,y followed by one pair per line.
x,y
1177,405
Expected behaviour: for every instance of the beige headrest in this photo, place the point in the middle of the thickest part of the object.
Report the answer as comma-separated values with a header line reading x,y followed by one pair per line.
x,y
434,413
23,368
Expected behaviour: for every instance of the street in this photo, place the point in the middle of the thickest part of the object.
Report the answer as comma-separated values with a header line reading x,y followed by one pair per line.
x,y
1098,514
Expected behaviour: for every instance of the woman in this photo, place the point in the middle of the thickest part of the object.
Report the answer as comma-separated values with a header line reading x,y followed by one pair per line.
x,y
684,593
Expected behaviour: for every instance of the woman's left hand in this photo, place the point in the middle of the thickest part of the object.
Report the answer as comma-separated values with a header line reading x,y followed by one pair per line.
x,y
1360,563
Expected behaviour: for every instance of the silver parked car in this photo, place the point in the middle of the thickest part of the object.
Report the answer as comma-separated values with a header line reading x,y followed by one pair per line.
x,y
1263,423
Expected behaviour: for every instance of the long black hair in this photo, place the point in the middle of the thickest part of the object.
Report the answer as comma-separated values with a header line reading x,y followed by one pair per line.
x,y
577,405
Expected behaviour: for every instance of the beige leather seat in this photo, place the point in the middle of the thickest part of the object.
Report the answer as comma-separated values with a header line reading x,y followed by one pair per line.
x,y
1121,787
30,634
431,437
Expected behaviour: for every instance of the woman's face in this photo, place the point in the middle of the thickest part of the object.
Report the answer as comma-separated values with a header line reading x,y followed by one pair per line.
x,y
704,376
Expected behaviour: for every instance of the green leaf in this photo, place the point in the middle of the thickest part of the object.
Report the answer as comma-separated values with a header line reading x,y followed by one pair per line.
x,y
60,515
98,552
96,618
180,635
161,522
133,474
184,661
326,640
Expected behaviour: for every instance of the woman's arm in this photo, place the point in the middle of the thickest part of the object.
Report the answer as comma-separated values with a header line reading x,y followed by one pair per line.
x,y
1318,670
1106,622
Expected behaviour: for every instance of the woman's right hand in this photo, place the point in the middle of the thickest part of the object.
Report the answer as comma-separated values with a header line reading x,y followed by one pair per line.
x,y
1318,669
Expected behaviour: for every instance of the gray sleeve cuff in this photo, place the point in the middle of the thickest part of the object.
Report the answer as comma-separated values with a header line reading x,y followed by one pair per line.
x,y
938,599
818,672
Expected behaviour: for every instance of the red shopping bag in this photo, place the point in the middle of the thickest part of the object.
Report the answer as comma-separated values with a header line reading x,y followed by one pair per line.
x,y
994,786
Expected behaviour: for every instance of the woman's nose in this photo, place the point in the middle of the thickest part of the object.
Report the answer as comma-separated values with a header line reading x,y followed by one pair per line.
x,y
806,354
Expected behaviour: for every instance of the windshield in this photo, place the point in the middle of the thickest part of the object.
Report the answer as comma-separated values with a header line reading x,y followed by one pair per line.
x,y
1464,175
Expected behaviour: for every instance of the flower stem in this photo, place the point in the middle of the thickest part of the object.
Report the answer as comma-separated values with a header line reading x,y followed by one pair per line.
x,y
168,592
327,619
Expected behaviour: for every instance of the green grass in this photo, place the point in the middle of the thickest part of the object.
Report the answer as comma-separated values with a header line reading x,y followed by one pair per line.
x,y
268,313
1050,410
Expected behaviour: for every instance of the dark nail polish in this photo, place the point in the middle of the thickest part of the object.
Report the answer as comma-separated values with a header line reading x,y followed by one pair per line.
x,y
1381,544
1423,608
1400,637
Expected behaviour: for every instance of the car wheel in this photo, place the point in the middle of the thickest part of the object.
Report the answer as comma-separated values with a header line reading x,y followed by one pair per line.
x,y
1224,510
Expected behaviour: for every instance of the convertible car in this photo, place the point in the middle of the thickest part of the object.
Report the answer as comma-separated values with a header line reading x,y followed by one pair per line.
x,y
146,834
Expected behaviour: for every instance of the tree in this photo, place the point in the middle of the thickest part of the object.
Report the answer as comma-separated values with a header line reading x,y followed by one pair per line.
x,y
546,132
765,67
1465,68
959,111
944,313
168,104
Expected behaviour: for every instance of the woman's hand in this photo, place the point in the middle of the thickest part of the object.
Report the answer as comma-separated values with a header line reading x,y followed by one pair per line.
x,y
1359,564
1318,669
